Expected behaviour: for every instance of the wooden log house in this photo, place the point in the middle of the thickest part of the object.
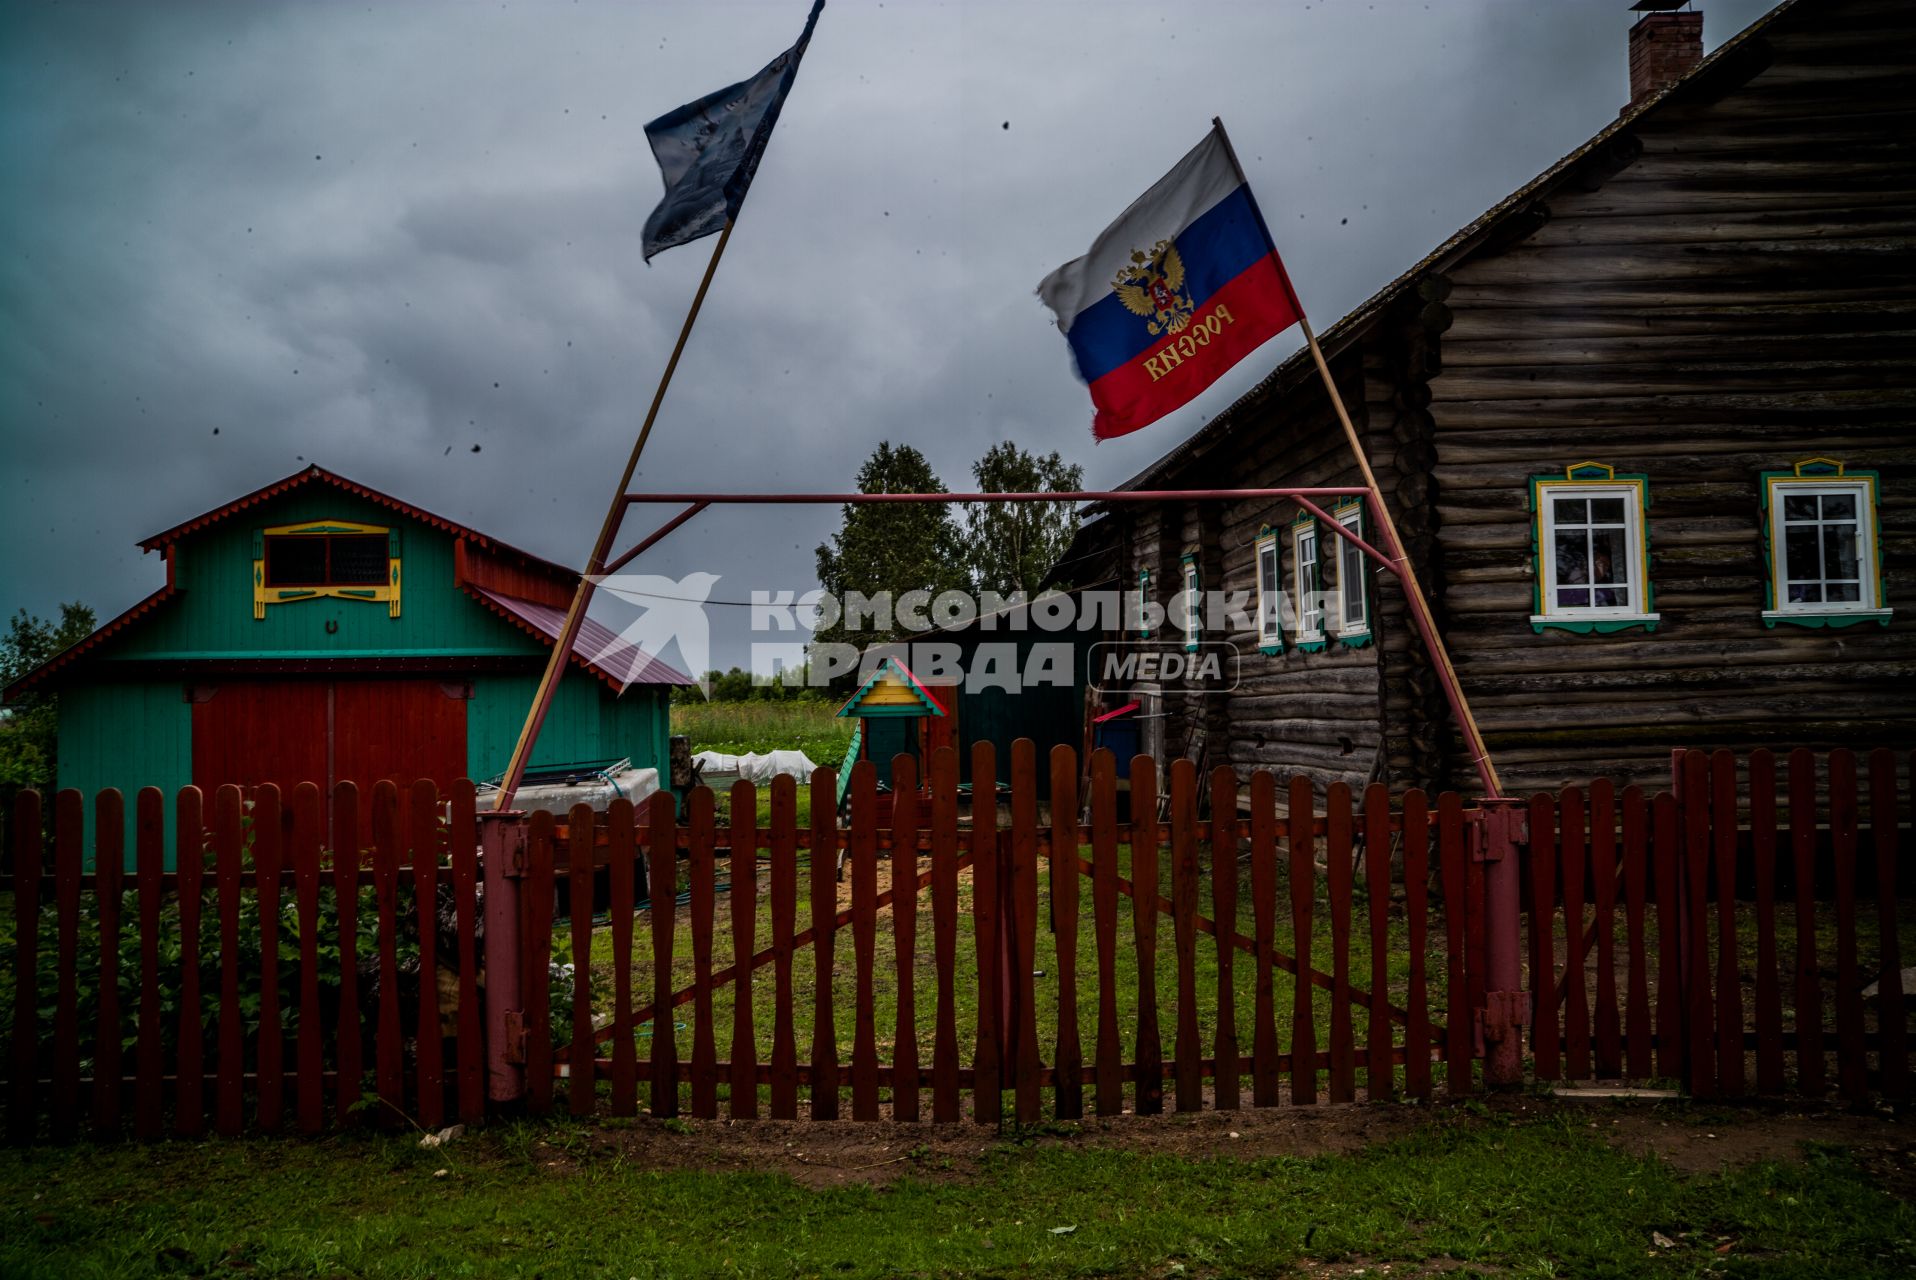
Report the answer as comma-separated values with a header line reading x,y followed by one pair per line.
x,y
1646,427
320,630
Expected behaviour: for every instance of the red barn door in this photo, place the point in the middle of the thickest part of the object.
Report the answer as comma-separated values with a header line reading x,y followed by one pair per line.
x,y
397,730
250,732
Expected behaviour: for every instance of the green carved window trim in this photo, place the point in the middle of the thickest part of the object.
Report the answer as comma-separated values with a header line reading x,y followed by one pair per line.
x,y
1823,471
1591,474
1144,598
1270,643
1353,638
1308,641
1191,587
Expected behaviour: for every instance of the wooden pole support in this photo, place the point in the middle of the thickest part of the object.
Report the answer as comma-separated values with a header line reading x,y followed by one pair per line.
x,y
575,615
1393,545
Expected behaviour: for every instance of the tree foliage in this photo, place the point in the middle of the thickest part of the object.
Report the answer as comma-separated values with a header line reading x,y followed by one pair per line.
x,y
1010,546
740,685
27,730
891,548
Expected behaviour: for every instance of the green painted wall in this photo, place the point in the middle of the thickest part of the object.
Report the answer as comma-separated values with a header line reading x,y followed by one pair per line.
x,y
1047,714
214,615
129,735
586,722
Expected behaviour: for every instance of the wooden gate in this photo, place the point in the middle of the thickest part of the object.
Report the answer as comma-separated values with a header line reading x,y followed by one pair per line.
x,y
1696,933
985,957
1336,1023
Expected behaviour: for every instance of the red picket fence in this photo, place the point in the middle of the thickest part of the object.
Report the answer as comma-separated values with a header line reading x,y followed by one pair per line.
x,y
1708,953
925,850
252,988
270,982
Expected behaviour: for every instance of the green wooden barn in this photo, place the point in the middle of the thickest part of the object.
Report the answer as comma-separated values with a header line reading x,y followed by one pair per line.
x,y
319,630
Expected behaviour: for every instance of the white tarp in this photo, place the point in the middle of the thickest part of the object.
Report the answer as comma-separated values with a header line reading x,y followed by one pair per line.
x,y
757,768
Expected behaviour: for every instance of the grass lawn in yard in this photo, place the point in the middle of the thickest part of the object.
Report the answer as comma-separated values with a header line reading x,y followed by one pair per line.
x,y
808,725
1522,1187
740,728
1045,983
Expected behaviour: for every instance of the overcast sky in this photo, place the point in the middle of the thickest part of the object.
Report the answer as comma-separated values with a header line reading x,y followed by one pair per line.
x,y
248,236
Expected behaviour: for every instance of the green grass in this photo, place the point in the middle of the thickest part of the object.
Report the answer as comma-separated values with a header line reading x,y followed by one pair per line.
x,y
739,728
1460,1195
736,728
1126,975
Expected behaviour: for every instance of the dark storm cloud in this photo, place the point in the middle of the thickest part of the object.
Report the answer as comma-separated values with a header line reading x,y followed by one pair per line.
x,y
364,237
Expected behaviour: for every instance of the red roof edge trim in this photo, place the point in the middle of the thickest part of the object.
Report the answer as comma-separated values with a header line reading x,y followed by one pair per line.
x,y
320,474
74,652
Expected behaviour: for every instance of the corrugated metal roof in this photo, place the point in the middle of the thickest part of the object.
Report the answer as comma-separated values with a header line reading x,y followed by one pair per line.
x,y
615,660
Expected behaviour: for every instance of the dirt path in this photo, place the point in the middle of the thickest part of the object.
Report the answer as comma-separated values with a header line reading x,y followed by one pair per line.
x,y
1692,1139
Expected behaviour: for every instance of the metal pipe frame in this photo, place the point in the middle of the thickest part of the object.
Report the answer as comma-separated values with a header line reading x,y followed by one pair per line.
x,y
1303,497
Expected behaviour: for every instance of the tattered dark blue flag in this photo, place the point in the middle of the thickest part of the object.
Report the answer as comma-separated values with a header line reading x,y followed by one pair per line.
x,y
708,150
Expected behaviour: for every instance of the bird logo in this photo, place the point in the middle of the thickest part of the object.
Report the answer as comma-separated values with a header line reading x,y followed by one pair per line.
x,y
1152,284
672,611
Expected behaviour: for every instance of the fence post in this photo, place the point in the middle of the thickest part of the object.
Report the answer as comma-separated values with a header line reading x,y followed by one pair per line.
x,y
502,850
1505,828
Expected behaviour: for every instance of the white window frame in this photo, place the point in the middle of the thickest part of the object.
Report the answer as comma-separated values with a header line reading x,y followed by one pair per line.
x,y
1310,600
1144,599
1270,599
1349,554
1637,585
1193,603
1869,601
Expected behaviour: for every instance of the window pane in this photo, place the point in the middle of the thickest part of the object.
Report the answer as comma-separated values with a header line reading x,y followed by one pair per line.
x,y
1573,598
359,560
1839,551
1844,592
1573,510
1806,593
1799,506
1351,583
1606,511
1839,506
1611,557
1573,556
1799,553
295,561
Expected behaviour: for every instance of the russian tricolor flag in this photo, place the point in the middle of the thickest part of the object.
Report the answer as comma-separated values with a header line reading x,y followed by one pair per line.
x,y
1181,287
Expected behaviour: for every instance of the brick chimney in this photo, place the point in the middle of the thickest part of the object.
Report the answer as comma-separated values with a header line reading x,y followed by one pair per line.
x,y
1664,45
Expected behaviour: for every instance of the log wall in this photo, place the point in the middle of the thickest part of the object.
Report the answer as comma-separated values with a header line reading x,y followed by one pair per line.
x,y
1724,287
1739,297
1318,714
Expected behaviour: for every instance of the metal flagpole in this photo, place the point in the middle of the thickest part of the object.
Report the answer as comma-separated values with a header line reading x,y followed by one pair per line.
x,y
1393,544
575,615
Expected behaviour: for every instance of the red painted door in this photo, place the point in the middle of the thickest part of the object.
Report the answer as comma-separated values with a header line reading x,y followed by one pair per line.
x,y
397,730
251,732
286,732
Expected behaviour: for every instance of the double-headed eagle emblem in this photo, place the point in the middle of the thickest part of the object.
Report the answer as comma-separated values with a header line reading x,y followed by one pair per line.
x,y
1153,285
